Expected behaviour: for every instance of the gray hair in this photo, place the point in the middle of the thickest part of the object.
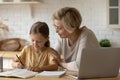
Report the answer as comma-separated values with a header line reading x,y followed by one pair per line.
x,y
70,17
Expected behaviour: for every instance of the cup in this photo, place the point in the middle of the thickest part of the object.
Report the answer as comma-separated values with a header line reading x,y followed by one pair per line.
x,y
1,63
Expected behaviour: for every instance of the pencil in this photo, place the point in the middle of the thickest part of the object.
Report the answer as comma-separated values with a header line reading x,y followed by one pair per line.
x,y
19,60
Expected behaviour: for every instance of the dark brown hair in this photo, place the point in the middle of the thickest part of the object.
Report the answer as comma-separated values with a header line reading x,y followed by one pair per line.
x,y
42,28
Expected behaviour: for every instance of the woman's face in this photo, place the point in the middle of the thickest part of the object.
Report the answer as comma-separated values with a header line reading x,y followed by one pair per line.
x,y
38,41
60,29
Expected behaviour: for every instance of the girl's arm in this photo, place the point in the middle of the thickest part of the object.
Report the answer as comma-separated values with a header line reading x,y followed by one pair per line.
x,y
16,62
50,67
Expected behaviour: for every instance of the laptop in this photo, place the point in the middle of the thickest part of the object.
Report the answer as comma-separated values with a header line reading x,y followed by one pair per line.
x,y
99,63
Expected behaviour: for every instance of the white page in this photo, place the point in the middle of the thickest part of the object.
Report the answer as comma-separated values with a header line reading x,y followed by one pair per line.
x,y
21,73
24,73
51,74
7,73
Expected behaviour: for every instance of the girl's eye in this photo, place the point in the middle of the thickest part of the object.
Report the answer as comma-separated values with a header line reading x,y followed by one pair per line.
x,y
37,41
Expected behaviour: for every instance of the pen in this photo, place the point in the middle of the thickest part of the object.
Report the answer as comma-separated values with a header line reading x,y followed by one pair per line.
x,y
19,60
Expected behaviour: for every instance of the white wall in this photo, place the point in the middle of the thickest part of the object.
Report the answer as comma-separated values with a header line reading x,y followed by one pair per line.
x,y
19,19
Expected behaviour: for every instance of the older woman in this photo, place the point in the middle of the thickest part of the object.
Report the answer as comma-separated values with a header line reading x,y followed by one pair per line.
x,y
73,38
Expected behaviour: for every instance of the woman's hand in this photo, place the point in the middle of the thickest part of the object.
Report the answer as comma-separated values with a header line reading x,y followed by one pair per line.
x,y
57,58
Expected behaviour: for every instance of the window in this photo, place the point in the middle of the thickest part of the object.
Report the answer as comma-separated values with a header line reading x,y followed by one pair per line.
x,y
113,19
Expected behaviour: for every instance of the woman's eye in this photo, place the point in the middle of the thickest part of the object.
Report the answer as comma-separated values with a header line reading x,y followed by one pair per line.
x,y
32,40
58,28
38,41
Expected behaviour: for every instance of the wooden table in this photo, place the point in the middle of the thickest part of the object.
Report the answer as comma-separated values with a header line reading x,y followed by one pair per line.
x,y
9,54
65,77
61,78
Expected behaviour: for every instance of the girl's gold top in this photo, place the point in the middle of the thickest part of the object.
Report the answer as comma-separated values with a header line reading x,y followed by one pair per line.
x,y
33,59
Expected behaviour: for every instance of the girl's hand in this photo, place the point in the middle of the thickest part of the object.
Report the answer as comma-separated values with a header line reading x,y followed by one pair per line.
x,y
36,69
17,65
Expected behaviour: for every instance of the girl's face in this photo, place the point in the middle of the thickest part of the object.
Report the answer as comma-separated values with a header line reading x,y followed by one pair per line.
x,y
60,29
38,41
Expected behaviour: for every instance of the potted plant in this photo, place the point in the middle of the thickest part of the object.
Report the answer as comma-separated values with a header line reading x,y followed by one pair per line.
x,y
105,43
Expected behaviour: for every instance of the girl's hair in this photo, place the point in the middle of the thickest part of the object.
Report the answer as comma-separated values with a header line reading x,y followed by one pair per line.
x,y
70,17
42,28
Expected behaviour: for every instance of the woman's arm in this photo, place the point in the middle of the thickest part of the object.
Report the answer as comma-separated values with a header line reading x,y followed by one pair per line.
x,y
88,40
73,65
57,58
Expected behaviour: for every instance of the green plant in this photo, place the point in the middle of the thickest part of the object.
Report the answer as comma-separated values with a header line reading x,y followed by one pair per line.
x,y
105,43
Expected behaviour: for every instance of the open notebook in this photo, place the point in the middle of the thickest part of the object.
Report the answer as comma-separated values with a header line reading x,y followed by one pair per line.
x,y
19,73
24,73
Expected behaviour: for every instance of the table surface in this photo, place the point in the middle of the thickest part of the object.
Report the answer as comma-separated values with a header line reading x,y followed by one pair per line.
x,y
9,54
61,78
64,77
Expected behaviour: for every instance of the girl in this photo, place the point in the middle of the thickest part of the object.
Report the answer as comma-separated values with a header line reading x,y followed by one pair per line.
x,y
38,56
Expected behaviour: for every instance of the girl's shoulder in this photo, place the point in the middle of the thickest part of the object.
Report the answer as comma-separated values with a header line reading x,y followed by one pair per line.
x,y
49,50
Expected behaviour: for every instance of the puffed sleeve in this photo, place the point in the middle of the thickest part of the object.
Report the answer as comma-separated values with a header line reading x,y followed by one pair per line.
x,y
51,59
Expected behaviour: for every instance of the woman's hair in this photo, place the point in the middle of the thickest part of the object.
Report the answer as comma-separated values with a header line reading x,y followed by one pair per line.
x,y
42,28
70,17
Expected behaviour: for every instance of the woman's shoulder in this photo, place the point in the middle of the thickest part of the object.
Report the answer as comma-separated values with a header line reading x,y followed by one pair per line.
x,y
84,28
86,31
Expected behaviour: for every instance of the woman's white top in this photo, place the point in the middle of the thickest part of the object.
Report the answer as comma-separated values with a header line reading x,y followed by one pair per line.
x,y
72,54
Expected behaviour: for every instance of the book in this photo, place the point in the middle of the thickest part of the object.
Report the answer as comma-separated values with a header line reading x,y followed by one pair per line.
x,y
19,73
73,75
50,74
